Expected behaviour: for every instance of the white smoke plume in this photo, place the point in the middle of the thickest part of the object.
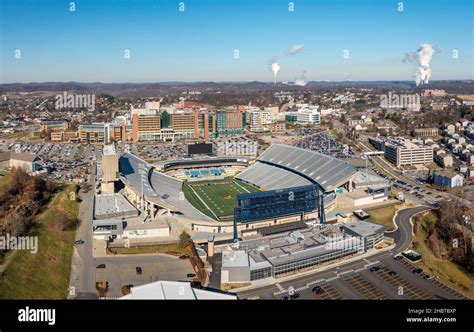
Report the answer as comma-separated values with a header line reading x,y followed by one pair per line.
x,y
301,81
295,49
422,57
274,67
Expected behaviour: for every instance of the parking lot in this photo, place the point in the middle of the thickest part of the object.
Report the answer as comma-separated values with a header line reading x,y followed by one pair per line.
x,y
404,289
329,292
421,193
410,266
142,270
65,161
160,151
374,281
364,288
323,142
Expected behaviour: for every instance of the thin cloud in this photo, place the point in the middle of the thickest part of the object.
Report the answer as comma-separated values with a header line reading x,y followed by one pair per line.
x,y
295,49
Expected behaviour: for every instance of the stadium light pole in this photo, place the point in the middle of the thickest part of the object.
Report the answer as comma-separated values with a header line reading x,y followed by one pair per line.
x,y
321,213
235,238
142,172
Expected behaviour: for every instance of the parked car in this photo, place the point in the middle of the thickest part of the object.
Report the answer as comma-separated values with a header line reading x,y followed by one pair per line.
x,y
318,290
183,257
190,275
417,270
294,296
79,242
138,269
428,277
398,257
374,268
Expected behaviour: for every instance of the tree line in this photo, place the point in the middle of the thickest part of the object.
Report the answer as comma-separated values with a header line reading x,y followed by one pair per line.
x,y
22,201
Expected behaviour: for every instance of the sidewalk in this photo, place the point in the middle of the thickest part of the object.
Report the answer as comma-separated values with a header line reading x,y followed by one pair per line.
x,y
99,248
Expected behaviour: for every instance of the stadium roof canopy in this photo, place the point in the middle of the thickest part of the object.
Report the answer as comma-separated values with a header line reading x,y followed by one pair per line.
x,y
327,171
270,177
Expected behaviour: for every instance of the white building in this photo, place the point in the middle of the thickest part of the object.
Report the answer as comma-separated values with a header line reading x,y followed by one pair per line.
x,y
445,160
308,116
403,152
152,105
259,120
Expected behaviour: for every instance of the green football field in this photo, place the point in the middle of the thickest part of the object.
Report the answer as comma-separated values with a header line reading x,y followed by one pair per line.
x,y
216,199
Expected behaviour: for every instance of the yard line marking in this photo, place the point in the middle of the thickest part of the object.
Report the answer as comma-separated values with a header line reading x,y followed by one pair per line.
x,y
202,201
242,187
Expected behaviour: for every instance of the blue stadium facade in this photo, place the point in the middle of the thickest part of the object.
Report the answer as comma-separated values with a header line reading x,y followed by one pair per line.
x,y
275,203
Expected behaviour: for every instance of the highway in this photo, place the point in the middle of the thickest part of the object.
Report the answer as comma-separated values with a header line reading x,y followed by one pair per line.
x,y
403,237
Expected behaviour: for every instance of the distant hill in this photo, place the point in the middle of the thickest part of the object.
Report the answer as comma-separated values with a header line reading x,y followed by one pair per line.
x,y
163,88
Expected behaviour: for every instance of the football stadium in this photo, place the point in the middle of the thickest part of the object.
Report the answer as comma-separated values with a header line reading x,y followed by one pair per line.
x,y
216,193
217,199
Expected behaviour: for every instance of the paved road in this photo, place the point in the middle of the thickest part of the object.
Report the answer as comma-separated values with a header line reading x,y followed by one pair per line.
x,y
403,236
83,266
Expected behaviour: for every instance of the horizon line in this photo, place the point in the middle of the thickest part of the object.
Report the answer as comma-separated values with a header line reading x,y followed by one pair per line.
x,y
240,82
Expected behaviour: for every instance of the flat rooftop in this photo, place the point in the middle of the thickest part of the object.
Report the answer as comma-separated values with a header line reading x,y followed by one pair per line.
x,y
106,204
363,177
291,245
234,258
364,228
406,143
137,224
305,243
357,193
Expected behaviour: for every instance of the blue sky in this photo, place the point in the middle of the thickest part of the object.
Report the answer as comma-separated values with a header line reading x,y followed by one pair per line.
x,y
198,44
